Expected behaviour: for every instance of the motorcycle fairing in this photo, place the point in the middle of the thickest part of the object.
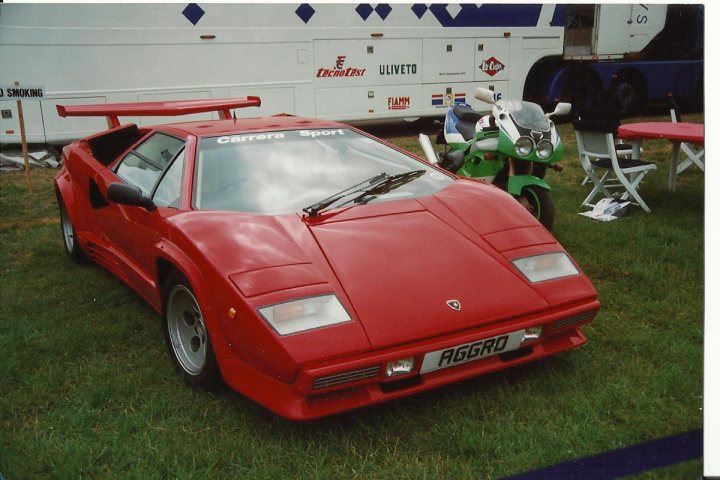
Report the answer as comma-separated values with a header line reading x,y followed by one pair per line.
x,y
526,115
477,167
507,147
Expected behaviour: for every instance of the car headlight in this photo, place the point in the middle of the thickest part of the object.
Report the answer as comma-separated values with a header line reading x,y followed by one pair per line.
x,y
544,149
305,314
547,266
523,146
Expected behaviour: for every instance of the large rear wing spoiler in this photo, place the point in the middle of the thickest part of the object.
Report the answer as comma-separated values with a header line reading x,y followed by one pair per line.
x,y
155,109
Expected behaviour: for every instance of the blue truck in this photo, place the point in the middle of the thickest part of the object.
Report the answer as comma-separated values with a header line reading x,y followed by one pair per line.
x,y
670,64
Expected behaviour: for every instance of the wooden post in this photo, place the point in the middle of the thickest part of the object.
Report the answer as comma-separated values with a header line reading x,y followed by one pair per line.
x,y
23,138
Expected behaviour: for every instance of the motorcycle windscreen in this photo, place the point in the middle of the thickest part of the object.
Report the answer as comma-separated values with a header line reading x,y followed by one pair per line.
x,y
526,114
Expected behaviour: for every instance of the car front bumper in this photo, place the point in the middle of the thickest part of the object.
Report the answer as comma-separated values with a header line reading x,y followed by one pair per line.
x,y
342,384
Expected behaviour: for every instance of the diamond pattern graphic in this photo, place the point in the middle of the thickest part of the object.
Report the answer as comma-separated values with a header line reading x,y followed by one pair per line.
x,y
305,12
383,9
419,9
193,12
454,9
364,10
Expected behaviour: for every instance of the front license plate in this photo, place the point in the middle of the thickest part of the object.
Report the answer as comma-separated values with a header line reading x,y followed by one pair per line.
x,y
468,352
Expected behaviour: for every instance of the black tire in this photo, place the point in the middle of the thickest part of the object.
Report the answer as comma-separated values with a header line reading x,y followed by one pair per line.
x,y
67,230
538,201
628,93
186,334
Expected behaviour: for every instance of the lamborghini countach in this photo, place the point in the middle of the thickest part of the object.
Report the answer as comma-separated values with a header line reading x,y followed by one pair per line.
x,y
310,266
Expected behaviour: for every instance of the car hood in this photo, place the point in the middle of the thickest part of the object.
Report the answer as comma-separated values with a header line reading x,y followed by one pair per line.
x,y
395,264
401,270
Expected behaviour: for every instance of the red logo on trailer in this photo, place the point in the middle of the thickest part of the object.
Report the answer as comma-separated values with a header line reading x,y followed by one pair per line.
x,y
491,66
339,70
398,103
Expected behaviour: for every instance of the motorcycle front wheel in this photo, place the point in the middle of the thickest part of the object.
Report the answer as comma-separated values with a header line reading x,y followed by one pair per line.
x,y
539,203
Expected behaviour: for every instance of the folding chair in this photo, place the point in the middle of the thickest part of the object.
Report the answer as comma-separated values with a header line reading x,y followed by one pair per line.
x,y
607,114
695,155
610,173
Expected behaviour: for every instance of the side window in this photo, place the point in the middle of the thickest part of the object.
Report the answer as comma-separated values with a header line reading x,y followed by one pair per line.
x,y
144,165
136,171
167,193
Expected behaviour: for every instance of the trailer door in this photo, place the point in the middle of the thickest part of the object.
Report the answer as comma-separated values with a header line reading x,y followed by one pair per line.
x,y
625,28
609,31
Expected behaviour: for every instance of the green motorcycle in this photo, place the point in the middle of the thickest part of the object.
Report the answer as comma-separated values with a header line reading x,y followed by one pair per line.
x,y
510,148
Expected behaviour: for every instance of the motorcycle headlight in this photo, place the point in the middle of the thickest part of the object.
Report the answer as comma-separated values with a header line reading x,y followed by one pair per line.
x,y
524,146
305,314
547,266
544,149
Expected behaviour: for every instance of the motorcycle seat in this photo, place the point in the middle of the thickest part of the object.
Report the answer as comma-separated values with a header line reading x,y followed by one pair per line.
x,y
466,113
466,129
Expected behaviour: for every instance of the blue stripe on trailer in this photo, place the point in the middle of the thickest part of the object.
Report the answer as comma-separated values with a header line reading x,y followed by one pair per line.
x,y
488,15
439,99
468,15
559,15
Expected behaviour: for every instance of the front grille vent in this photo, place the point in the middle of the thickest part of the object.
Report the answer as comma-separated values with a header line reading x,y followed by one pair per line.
x,y
346,377
566,322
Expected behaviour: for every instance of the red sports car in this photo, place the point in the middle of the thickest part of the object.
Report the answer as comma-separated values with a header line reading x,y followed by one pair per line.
x,y
313,267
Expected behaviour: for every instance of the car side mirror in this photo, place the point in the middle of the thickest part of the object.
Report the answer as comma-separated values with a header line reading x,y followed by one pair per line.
x,y
125,194
561,108
486,95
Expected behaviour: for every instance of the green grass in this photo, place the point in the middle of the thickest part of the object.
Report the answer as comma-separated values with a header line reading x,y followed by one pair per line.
x,y
88,390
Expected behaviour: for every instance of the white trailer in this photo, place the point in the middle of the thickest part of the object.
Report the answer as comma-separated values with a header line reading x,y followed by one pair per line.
x,y
335,61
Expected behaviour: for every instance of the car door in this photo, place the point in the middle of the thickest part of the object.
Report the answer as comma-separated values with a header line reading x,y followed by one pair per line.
x,y
155,166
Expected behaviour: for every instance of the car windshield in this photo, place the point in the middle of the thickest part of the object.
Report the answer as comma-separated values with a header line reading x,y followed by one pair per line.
x,y
282,172
526,114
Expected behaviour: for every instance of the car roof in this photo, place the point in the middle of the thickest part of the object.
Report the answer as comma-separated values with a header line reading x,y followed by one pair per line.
x,y
210,128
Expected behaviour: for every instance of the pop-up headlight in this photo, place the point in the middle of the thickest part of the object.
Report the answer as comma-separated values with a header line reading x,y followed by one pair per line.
x,y
305,314
548,266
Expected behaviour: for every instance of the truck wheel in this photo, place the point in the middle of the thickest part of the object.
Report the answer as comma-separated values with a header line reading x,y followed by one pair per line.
x,y
538,201
186,334
72,247
628,93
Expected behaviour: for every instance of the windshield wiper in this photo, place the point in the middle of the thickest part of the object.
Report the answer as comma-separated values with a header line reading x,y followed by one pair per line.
x,y
377,185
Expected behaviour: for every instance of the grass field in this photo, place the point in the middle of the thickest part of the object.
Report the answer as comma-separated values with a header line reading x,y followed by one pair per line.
x,y
88,390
